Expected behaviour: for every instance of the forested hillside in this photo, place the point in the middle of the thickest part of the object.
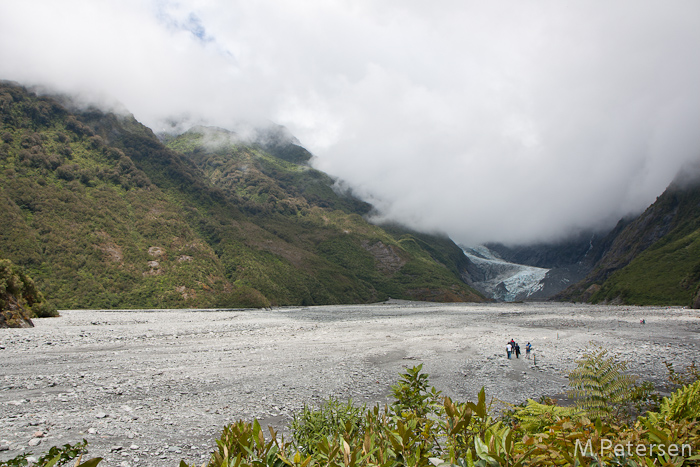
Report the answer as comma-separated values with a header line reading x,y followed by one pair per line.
x,y
102,214
653,260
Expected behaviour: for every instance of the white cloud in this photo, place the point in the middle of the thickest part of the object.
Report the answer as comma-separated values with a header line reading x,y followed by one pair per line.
x,y
508,120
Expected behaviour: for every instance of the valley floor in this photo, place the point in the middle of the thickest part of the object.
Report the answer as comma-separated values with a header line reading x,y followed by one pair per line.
x,y
148,388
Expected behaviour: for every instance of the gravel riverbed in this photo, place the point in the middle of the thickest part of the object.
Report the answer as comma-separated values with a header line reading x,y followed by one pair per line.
x,y
152,387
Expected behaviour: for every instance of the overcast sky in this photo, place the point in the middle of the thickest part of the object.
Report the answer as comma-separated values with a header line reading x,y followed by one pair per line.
x,y
512,121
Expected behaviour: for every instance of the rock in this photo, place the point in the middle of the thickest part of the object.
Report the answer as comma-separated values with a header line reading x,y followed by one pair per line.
x,y
38,434
696,301
15,318
156,251
34,442
101,415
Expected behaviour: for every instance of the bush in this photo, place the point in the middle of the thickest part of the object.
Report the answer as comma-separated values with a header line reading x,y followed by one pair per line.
x,y
535,417
340,434
68,172
56,456
461,435
332,418
683,404
20,298
44,310
242,296
684,377
599,385
412,394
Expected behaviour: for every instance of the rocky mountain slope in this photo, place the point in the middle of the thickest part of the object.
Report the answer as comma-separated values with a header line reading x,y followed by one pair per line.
x,y
651,259
101,213
655,258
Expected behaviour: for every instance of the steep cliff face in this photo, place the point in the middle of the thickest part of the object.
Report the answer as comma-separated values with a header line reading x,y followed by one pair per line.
x,y
654,259
581,248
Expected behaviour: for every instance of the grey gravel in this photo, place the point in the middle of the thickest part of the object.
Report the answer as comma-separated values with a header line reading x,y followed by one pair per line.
x,y
145,386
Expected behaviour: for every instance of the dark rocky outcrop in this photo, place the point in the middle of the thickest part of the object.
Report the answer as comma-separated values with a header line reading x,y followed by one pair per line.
x,y
18,295
15,316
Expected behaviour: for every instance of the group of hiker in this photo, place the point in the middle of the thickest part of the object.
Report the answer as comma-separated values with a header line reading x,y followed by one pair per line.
x,y
513,347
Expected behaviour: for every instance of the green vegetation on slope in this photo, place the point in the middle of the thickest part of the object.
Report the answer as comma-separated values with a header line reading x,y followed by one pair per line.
x,y
85,222
20,300
319,231
653,260
667,274
103,215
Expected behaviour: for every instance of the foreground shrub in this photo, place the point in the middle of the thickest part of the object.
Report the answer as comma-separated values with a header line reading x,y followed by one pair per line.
x,y
683,377
412,394
417,432
244,444
599,385
535,417
311,426
683,404
56,456
464,423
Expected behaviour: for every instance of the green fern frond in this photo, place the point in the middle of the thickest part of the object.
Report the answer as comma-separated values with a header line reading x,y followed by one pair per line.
x,y
598,383
683,404
535,417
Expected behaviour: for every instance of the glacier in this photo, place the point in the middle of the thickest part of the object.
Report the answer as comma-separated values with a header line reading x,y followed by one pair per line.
x,y
500,279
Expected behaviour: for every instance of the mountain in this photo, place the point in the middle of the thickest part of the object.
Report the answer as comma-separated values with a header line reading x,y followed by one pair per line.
x,y
102,213
650,259
653,259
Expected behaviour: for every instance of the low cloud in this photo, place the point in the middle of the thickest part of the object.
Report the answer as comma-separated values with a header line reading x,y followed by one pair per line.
x,y
498,121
